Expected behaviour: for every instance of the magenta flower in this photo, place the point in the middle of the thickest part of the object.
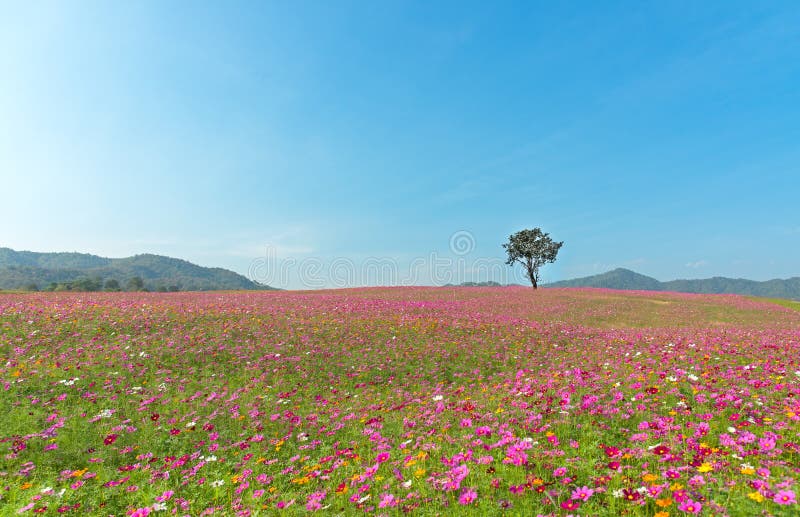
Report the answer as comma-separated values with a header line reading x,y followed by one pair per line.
x,y
583,493
387,501
785,497
570,504
165,496
690,506
468,496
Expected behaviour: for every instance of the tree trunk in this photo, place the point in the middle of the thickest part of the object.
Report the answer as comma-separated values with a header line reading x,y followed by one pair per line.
x,y
532,278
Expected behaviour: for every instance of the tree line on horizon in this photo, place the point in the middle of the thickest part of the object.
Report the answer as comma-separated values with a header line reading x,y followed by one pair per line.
x,y
96,284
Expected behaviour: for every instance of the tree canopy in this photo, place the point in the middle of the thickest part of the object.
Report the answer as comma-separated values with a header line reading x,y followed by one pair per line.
x,y
533,249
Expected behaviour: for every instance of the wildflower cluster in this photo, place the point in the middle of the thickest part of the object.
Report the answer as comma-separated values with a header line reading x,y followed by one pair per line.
x,y
404,400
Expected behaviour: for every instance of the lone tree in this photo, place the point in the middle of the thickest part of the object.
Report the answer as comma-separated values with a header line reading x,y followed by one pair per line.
x,y
532,249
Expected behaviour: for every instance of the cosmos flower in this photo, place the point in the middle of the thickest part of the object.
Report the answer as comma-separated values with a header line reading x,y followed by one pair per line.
x,y
468,496
690,506
583,493
785,497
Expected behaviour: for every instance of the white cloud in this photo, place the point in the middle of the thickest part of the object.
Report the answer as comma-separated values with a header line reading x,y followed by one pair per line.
x,y
696,264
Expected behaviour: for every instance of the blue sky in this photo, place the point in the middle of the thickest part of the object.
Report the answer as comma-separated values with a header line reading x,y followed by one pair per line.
x,y
663,137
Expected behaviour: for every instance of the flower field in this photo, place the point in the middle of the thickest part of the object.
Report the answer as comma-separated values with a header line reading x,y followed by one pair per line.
x,y
390,401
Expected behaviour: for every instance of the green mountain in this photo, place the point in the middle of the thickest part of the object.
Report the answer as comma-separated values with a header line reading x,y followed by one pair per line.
x,y
82,271
490,283
629,280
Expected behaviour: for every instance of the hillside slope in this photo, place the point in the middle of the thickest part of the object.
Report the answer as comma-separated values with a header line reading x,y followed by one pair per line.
x,y
23,269
626,279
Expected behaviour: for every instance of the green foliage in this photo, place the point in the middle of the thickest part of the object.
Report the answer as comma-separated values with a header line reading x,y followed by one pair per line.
x,y
533,249
135,284
111,285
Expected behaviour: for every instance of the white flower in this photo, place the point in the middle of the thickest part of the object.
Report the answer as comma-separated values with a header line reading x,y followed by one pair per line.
x,y
617,493
672,378
191,424
159,507
406,484
732,430
217,483
363,499
437,398
692,377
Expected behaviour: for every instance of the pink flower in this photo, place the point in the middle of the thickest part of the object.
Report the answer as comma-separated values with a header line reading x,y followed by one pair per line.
x,y
382,457
785,497
467,496
387,500
690,506
165,496
570,504
560,471
583,493
766,444
141,512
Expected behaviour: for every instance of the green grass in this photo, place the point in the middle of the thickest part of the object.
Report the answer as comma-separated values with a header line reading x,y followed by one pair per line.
x,y
792,304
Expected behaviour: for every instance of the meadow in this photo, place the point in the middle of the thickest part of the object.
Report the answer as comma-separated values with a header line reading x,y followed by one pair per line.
x,y
391,401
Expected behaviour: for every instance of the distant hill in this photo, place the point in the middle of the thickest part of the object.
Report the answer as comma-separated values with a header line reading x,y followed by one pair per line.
x,y
490,283
82,271
629,280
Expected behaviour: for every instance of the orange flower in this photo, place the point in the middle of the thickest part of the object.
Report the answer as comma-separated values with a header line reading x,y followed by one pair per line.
x,y
663,503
